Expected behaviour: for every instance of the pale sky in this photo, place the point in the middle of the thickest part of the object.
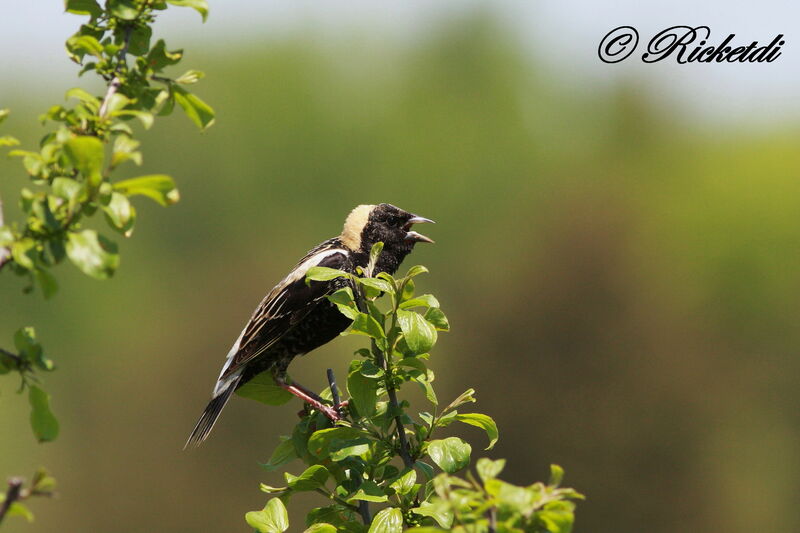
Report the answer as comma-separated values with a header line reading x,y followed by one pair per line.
x,y
561,34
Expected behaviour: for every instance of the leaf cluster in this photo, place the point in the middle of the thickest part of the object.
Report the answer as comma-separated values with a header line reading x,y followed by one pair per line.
x,y
41,485
384,454
71,170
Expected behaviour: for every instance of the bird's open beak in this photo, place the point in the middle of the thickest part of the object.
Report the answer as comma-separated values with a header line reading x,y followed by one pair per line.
x,y
413,235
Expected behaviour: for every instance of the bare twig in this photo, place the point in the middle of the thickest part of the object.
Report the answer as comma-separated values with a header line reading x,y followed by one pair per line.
x,y
334,390
116,82
492,513
363,510
12,495
17,359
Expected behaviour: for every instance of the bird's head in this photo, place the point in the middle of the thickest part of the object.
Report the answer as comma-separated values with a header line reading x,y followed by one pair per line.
x,y
368,224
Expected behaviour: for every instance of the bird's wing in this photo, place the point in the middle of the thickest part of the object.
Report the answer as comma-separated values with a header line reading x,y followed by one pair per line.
x,y
285,305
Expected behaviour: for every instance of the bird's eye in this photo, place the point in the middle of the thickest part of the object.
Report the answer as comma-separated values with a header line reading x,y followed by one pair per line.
x,y
393,220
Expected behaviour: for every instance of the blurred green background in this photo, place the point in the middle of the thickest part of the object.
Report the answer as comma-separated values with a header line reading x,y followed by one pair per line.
x,y
622,284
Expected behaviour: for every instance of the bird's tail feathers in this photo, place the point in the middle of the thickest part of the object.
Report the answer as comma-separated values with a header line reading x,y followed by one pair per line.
x,y
210,415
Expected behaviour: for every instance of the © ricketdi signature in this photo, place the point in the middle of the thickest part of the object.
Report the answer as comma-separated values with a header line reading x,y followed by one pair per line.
x,y
686,44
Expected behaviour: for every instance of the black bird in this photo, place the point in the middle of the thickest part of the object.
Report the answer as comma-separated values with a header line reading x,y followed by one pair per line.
x,y
295,318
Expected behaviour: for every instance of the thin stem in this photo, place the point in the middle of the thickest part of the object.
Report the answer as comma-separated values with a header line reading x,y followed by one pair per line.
x,y
17,359
338,500
13,494
363,510
385,364
116,82
334,389
492,514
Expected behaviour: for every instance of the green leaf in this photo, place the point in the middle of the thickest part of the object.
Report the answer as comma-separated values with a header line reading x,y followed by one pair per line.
x,y
488,469
376,283
145,117
318,273
263,388
201,6
140,40
450,454
68,189
125,150
437,318
484,422
19,509
23,252
520,499
425,380
86,154
468,396
116,103
119,211
80,45
363,393
124,9
158,187
389,520
197,110
427,470
336,515
313,478
558,517
419,334
321,528
159,57
319,444
556,475
439,511
405,482
190,76
271,490
43,422
425,300
283,453
83,96
416,270
272,519
47,282
374,254
342,449
42,481
369,369
92,253
364,324
342,296
8,140
368,492
4,114
29,348
83,7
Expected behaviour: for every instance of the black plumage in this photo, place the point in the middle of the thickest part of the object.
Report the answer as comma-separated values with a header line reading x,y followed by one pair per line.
x,y
295,317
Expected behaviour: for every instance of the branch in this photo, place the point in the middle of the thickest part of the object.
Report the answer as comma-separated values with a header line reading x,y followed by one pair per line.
x,y
17,359
393,403
116,83
492,515
363,510
334,390
12,495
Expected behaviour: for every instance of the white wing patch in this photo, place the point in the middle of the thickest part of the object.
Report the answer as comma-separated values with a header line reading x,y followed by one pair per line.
x,y
272,309
314,260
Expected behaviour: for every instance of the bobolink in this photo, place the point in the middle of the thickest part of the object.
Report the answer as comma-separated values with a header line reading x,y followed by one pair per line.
x,y
295,317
